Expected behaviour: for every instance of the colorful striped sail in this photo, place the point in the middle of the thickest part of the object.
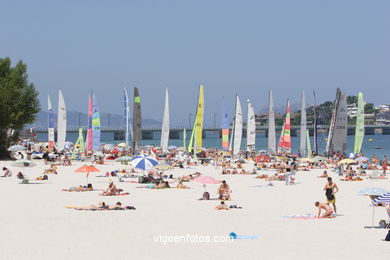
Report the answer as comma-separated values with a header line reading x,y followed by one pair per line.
x,y
50,124
225,128
359,131
285,139
95,124
79,143
197,130
89,131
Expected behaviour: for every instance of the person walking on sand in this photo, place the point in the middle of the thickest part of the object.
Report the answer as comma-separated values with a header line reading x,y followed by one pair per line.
x,y
330,190
326,208
384,164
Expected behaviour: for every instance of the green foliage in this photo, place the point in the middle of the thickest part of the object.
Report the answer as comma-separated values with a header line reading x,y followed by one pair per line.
x,y
352,99
370,109
19,102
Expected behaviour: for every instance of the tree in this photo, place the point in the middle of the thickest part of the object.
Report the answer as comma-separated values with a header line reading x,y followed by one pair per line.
x,y
352,100
19,102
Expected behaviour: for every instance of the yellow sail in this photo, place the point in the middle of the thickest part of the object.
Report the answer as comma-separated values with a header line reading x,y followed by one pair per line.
x,y
196,135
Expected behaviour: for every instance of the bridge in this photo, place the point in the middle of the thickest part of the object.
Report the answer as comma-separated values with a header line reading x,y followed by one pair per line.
x,y
176,132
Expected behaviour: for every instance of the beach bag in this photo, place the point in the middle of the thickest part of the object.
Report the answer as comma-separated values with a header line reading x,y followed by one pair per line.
x,y
387,238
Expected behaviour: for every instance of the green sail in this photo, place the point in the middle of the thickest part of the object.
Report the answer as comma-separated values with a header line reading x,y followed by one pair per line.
x,y
80,143
359,131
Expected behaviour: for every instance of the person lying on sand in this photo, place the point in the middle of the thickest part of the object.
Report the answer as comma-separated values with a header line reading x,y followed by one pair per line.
x,y
324,175
162,185
103,206
323,206
222,206
42,178
80,188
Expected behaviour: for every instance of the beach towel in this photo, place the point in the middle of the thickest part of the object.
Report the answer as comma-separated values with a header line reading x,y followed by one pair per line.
x,y
119,194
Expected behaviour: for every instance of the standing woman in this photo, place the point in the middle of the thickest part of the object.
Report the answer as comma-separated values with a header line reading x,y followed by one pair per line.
x,y
384,164
330,190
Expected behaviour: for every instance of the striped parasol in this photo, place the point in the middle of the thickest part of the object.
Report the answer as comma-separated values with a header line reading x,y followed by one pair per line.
x,y
383,199
144,162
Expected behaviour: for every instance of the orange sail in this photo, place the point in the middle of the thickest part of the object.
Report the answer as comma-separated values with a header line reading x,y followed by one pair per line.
x,y
285,138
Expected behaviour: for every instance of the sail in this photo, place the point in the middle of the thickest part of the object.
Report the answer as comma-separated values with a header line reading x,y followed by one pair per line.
x,y
302,139
281,138
237,128
225,128
165,125
338,140
79,143
250,129
95,124
89,131
50,123
315,124
61,122
271,126
197,130
184,139
137,132
126,115
285,138
309,153
332,124
359,131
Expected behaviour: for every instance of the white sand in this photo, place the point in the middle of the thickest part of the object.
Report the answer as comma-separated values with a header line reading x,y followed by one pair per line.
x,y
35,224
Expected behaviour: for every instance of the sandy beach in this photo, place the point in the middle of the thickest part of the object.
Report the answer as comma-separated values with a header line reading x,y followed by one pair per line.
x,y
36,224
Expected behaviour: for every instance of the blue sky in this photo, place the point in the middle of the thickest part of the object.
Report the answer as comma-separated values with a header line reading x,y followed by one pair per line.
x,y
243,47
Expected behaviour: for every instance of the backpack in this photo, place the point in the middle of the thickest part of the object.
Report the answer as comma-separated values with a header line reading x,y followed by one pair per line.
x,y
206,195
387,238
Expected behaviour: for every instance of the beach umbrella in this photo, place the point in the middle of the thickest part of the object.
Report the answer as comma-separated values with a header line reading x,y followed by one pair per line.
x,y
172,147
382,199
121,145
206,180
16,148
23,163
347,161
125,158
362,159
88,169
144,162
351,156
372,192
108,146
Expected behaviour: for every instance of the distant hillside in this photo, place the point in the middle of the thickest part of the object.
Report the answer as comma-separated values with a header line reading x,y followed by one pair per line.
x,y
76,119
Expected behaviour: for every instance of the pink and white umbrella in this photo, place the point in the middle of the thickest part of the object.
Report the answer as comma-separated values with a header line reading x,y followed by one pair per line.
x,y
206,180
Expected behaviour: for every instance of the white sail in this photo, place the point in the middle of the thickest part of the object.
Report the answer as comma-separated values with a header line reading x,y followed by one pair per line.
x,y
302,143
61,121
126,114
271,126
165,125
250,129
237,128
